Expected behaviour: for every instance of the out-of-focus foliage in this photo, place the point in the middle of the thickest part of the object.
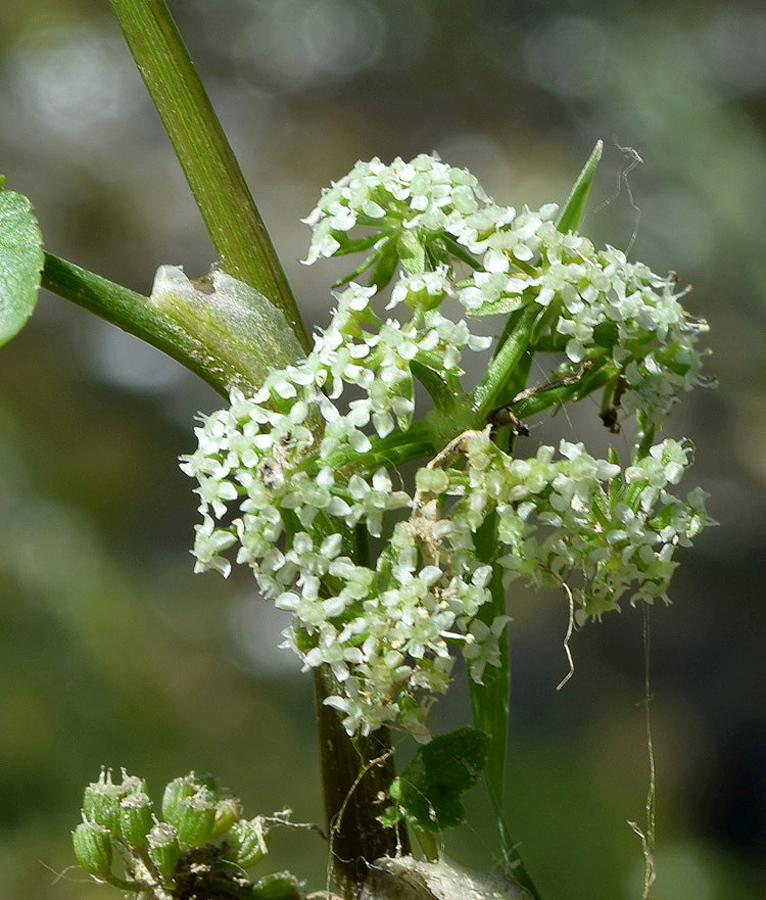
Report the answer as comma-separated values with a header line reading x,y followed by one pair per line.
x,y
112,652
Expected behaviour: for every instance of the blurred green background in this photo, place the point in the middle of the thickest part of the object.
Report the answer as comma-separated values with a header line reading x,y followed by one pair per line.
x,y
112,652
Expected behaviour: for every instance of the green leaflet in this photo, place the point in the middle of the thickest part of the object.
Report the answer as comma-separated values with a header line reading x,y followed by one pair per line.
x,y
21,262
572,212
428,790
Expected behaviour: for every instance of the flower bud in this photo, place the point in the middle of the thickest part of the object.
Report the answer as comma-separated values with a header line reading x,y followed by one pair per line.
x,y
135,819
164,851
132,784
101,799
101,802
195,819
93,848
177,790
247,842
227,812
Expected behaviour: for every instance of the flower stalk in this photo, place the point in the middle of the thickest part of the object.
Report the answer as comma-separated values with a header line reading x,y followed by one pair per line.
x,y
214,175
356,775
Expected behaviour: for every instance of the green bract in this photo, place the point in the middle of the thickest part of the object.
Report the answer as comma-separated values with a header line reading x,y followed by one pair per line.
x,y
301,468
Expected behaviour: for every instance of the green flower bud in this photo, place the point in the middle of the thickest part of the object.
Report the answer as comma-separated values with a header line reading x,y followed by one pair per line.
x,y
195,820
101,799
101,802
247,842
135,819
93,848
164,851
177,790
228,811
132,784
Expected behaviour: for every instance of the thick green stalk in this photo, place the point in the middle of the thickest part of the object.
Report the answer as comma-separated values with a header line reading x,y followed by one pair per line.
x,y
356,776
212,170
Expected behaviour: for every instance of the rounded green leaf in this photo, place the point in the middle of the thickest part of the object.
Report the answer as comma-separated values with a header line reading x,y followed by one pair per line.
x,y
428,791
21,262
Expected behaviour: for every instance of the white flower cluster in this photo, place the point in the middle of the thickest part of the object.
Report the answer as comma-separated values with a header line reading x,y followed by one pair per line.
x,y
595,306
584,523
385,631
296,476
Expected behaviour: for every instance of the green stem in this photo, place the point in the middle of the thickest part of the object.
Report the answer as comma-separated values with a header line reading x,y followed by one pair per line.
x,y
560,395
212,170
128,887
392,451
490,698
356,776
131,311
492,386
490,705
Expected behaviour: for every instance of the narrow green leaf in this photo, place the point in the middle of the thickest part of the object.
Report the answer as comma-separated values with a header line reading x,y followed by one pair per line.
x,y
385,267
433,382
21,262
460,252
572,212
355,245
369,261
